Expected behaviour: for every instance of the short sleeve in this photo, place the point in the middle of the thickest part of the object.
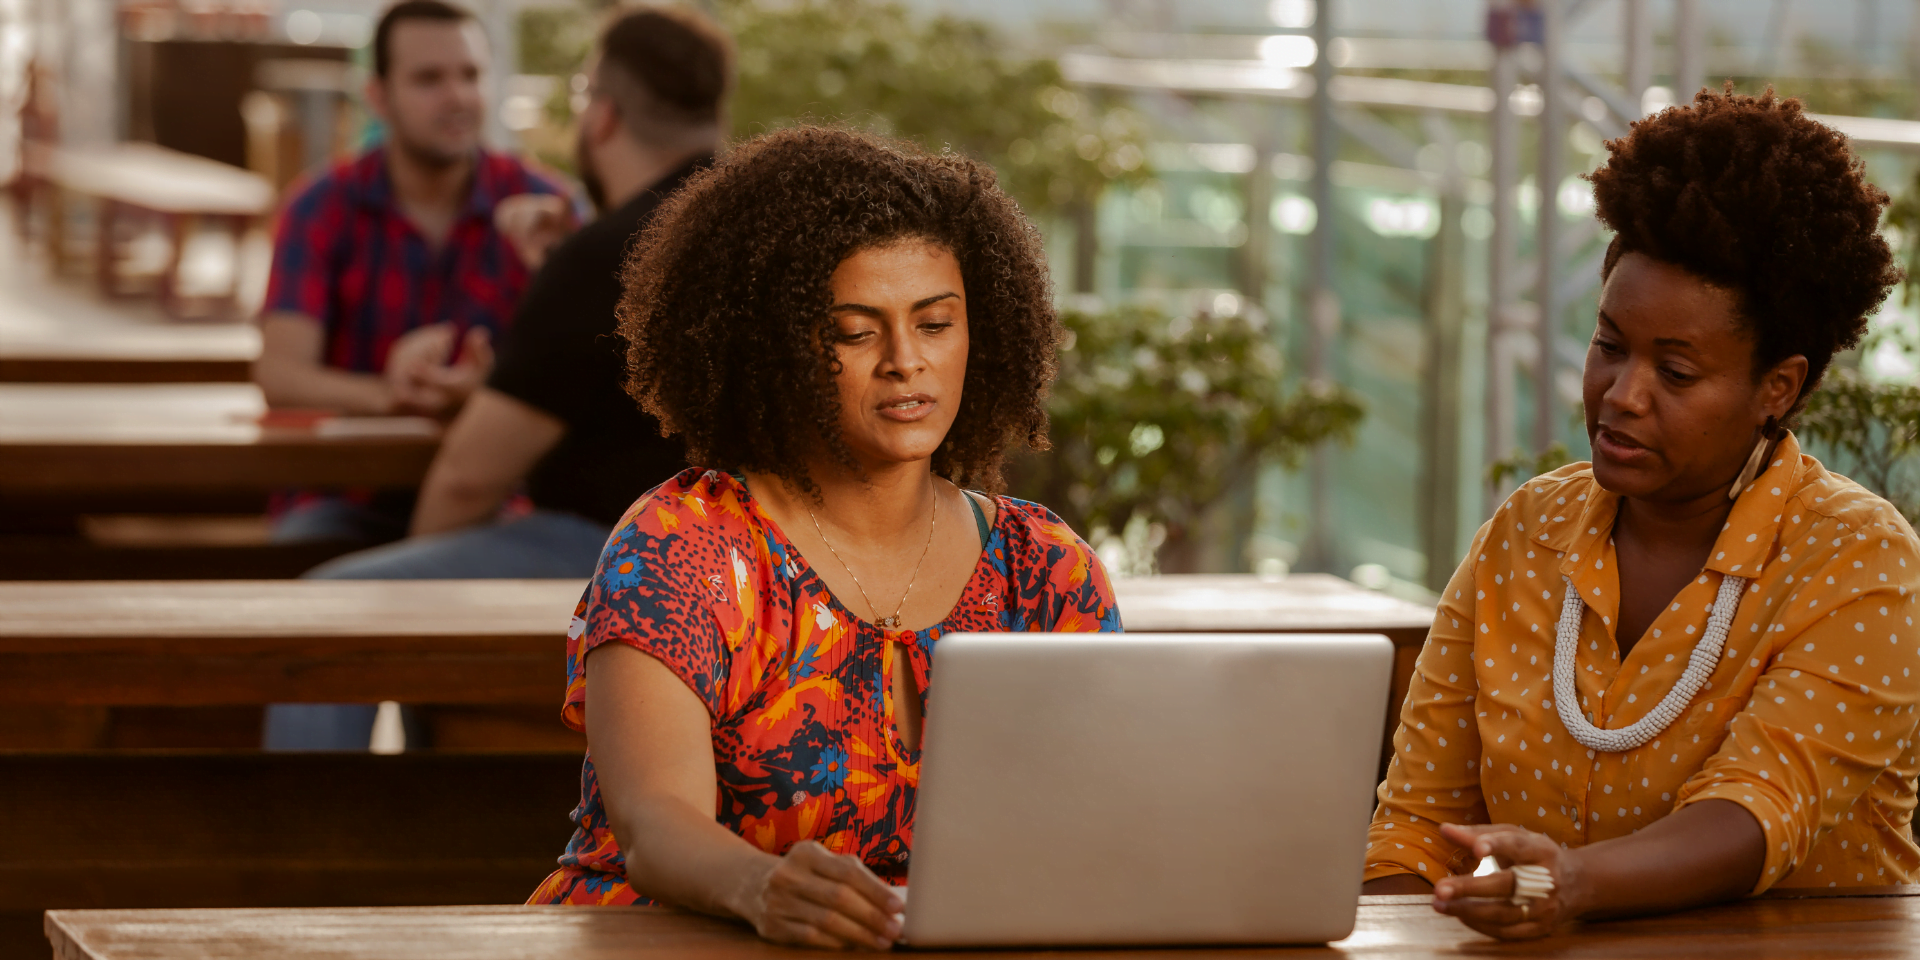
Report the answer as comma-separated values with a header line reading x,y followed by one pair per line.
x,y
1835,706
1434,776
660,577
1060,572
300,279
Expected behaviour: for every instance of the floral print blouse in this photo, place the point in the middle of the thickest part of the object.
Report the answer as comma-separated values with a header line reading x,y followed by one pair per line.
x,y
1807,721
804,742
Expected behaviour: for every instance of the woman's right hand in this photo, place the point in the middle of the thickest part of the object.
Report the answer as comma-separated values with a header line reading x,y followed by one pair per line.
x,y
818,898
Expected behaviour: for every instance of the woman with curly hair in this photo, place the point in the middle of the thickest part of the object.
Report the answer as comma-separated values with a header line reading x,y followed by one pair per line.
x,y
1686,671
846,332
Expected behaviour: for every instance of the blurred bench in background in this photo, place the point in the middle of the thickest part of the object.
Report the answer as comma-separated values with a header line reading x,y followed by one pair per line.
x,y
92,665
124,358
71,454
132,185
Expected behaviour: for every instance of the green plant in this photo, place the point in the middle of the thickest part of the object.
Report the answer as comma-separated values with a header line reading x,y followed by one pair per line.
x,y
942,82
1874,429
1157,419
1523,466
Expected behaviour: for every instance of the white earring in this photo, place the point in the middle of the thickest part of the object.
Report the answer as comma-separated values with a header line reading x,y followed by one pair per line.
x,y
1754,461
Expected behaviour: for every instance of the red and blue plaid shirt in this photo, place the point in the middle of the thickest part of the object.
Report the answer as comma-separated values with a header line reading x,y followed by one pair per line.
x,y
346,256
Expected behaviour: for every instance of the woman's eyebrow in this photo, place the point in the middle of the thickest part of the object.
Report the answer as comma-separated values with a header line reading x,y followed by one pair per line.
x,y
877,312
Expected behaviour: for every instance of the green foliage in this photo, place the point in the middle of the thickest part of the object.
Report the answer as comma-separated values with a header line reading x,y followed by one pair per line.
x,y
554,40
1161,418
1874,428
944,83
1903,221
1525,466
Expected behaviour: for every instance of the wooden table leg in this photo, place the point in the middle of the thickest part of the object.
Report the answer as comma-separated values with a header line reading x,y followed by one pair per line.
x,y
179,228
106,218
56,227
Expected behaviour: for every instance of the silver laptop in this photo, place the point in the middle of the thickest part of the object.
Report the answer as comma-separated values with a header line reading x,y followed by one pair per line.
x,y
1085,789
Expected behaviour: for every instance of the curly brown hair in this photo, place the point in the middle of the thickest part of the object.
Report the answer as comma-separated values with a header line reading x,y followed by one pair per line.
x,y
727,292
1752,196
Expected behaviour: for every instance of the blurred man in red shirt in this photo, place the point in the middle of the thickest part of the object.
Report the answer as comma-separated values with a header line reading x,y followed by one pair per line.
x,y
389,279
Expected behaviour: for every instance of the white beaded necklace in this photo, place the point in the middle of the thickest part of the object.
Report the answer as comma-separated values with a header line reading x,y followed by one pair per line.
x,y
1700,666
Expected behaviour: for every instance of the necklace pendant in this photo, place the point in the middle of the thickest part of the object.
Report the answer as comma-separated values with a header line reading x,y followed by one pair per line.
x,y
888,623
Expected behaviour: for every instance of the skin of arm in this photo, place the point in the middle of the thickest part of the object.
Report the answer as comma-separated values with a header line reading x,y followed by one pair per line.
x,y
651,741
1707,852
488,451
290,373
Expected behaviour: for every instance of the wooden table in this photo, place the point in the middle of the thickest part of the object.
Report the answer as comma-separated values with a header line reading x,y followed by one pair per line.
x,y
127,357
462,641
134,181
277,641
1884,925
476,645
147,442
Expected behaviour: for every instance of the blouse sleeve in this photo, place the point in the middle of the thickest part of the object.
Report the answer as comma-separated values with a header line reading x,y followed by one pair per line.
x,y
1835,706
1075,594
1434,776
656,587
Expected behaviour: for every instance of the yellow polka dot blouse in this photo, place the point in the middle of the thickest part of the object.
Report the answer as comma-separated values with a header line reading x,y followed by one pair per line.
x,y
1807,722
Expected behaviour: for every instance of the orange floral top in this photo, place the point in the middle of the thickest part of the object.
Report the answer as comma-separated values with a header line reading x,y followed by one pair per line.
x,y
804,742
1808,721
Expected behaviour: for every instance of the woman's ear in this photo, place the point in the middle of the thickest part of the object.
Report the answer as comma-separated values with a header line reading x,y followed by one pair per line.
x,y
1780,387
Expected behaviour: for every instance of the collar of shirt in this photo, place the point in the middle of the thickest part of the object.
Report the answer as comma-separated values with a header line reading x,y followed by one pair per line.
x,y
376,184
1583,533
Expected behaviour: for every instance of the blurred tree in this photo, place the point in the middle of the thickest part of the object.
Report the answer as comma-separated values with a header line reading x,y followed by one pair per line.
x,y
1875,430
943,83
1157,419
1525,466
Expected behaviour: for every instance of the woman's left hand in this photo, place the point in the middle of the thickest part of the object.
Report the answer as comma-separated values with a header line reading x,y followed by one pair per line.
x,y
1483,902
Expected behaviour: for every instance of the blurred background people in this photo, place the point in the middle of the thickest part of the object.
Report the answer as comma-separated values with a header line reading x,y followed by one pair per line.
x,y
554,416
389,278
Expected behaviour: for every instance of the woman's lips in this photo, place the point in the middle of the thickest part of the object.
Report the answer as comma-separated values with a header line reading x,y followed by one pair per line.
x,y
907,409
1619,449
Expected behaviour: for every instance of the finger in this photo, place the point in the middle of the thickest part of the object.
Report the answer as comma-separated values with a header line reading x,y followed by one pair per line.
x,y
1486,915
853,873
835,923
844,901
1517,846
1499,884
785,930
477,349
1529,930
1466,834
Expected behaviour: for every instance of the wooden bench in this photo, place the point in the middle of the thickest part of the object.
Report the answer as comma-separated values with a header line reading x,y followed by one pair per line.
x,y
69,450
1872,922
95,827
130,182
125,357
467,648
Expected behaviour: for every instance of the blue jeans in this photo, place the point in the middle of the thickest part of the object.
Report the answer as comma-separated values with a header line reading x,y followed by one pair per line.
x,y
337,518
542,544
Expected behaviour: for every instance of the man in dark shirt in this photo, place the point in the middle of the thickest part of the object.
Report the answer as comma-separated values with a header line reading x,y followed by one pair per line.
x,y
554,415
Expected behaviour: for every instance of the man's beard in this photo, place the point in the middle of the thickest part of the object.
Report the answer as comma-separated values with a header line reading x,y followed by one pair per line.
x,y
589,176
424,154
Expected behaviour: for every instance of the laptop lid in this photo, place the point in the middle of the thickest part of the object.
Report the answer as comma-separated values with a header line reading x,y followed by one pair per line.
x,y
1146,788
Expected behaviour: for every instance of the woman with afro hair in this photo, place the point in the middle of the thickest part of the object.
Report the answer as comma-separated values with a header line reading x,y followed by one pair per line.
x,y
1686,671
848,333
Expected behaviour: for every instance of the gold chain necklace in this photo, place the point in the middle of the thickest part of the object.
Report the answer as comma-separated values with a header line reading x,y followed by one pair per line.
x,y
889,622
